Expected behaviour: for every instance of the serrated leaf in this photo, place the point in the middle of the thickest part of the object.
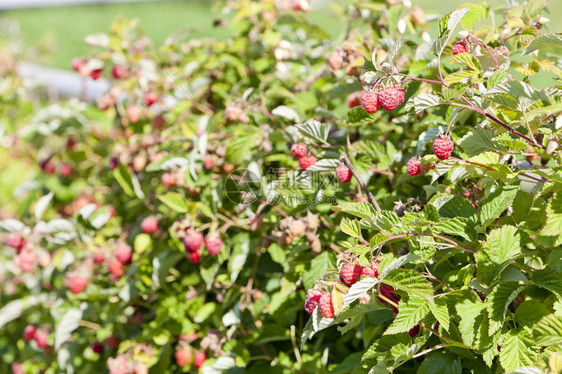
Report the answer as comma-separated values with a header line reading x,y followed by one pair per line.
x,y
423,101
286,112
549,280
518,350
351,227
478,141
548,331
498,301
468,59
500,249
530,312
325,164
469,308
396,264
318,267
357,289
462,76
358,114
495,204
174,201
553,226
452,206
411,310
361,210
460,226
498,77
476,13
315,130
441,312
441,363
544,41
68,323
410,282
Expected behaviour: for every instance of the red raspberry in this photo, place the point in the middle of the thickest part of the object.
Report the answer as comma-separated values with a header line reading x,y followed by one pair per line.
x,y
326,306
150,98
443,147
194,257
335,61
414,166
183,356
77,284
149,225
123,253
77,63
350,273
96,74
168,180
70,144
414,331
118,72
27,261
199,359
307,161
312,299
213,244
391,97
459,47
369,101
353,99
29,333
65,170
16,241
99,257
369,272
97,347
299,150
115,267
41,337
193,241
343,173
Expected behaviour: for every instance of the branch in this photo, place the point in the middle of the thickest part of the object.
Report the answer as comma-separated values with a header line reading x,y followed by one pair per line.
x,y
370,196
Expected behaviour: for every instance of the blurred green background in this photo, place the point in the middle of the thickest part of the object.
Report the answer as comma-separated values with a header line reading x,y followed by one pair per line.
x,y
65,27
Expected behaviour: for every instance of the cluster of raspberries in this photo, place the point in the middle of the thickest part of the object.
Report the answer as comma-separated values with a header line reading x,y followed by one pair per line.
x,y
300,150
442,148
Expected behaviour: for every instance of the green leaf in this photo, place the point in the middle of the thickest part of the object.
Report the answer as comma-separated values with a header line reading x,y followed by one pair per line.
x,y
423,101
548,331
142,242
549,280
441,312
530,312
411,282
318,267
239,255
468,59
174,201
357,289
478,141
553,226
476,13
447,25
125,180
358,114
441,363
67,324
411,310
518,350
453,206
315,130
500,249
361,210
544,41
499,300
495,204
498,77
462,76
460,226
471,311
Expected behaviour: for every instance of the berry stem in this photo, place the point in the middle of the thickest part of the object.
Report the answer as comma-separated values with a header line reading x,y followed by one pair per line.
x,y
493,55
451,341
370,196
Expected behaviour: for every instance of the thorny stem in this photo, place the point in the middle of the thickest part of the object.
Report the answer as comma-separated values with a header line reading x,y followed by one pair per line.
x,y
370,196
454,342
493,55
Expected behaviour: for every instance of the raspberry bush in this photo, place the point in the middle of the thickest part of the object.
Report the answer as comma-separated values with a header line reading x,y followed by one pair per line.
x,y
243,205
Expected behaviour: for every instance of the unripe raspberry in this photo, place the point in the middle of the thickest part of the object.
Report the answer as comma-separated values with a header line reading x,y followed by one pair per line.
x,y
350,273
193,241
168,180
299,150
418,17
213,244
312,299
426,167
369,101
307,161
149,225
459,47
325,305
414,166
443,147
123,253
343,173
335,61
29,333
364,299
140,368
297,228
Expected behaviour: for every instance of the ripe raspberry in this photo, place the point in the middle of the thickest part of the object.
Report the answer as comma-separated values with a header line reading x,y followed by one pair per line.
x,y
168,180
194,257
183,356
77,63
343,173
193,241
41,337
149,225
65,170
307,161
414,166
370,101
350,273
16,241
326,306
369,272
299,150
97,347
77,284
414,331
150,98
353,99
29,333
115,267
391,97
312,299
99,257
443,147
335,61
118,72
459,47
96,74
213,244
123,253
199,359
